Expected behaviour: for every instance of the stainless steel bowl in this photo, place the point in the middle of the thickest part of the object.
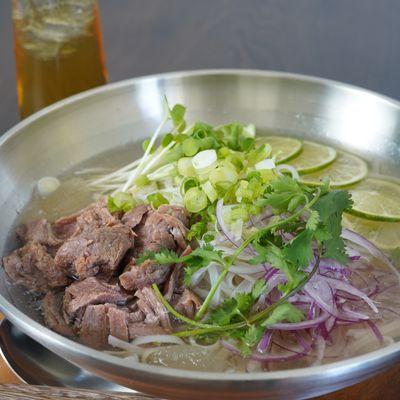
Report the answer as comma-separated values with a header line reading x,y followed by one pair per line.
x,y
93,122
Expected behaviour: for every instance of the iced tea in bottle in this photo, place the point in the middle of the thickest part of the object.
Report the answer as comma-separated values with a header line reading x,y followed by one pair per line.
x,y
58,50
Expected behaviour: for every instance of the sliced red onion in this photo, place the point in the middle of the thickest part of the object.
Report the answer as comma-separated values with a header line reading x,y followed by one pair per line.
x,y
353,253
321,330
334,266
265,341
301,325
306,346
367,245
375,331
330,323
321,293
352,314
346,287
312,310
320,346
275,281
270,274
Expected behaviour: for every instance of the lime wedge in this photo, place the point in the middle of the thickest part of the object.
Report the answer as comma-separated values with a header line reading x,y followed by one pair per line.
x,y
345,170
313,157
385,235
284,148
376,199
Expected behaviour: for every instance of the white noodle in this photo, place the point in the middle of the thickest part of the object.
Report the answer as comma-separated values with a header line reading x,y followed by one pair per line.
x,y
170,339
130,348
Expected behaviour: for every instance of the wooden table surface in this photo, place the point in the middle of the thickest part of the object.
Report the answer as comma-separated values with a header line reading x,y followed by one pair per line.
x,y
355,41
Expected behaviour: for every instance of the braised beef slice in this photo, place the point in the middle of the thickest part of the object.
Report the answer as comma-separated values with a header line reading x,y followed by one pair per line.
x,y
175,211
187,303
135,216
66,227
157,231
174,283
95,216
95,326
138,276
96,251
33,267
118,322
142,329
39,231
90,291
53,316
100,321
154,311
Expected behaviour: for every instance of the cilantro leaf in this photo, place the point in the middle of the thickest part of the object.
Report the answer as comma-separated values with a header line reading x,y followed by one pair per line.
x,y
223,314
284,312
199,258
299,251
236,308
313,220
258,289
250,338
284,194
330,208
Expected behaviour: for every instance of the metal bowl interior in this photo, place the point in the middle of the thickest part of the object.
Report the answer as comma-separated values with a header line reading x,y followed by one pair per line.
x,y
76,129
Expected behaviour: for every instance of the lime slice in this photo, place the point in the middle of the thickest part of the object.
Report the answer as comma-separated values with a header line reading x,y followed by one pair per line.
x,y
285,148
345,170
376,199
385,235
313,157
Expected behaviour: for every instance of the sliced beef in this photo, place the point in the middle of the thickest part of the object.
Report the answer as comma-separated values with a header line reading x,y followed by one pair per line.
x,y
96,251
39,231
141,329
95,216
100,321
174,284
90,291
118,323
157,231
53,316
187,303
95,326
175,211
135,216
66,227
33,267
138,276
136,316
154,311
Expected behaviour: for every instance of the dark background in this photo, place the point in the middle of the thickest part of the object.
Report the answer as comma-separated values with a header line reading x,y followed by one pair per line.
x,y
355,41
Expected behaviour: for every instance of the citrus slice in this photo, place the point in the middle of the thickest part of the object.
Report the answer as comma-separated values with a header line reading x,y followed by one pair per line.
x,y
345,170
376,199
385,235
284,148
313,157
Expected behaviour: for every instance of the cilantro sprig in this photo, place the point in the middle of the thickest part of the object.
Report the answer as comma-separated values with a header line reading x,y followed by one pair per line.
x,y
306,227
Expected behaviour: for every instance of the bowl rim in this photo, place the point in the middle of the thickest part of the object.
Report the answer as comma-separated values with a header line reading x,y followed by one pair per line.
x,y
48,337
